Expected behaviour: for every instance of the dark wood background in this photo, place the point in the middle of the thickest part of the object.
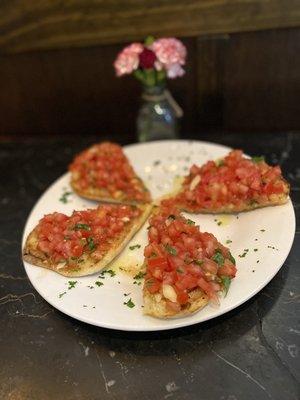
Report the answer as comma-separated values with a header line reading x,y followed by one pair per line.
x,y
56,75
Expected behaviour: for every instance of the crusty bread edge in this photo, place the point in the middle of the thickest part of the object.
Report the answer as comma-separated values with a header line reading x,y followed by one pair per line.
x,y
225,210
102,196
33,257
282,199
158,309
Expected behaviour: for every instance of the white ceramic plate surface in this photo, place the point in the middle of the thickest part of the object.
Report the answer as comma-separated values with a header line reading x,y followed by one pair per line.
x,y
261,241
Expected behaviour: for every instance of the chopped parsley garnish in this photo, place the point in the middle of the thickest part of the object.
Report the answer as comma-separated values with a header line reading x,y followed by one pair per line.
x,y
109,271
64,197
61,294
171,216
171,250
126,294
140,275
244,253
219,223
232,259
272,247
190,222
198,262
219,163
149,282
252,202
136,246
129,303
98,283
263,230
255,249
84,227
180,271
226,281
228,241
257,159
218,257
72,284
91,244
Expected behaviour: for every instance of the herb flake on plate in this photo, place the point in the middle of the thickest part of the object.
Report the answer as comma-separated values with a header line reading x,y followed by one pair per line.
x,y
64,197
136,246
129,303
72,284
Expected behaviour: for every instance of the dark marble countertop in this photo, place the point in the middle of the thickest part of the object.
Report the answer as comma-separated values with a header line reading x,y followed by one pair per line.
x,y
249,353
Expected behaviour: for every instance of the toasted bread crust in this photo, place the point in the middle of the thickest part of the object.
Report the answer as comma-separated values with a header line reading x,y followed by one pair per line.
x,y
156,305
102,195
231,208
275,200
89,266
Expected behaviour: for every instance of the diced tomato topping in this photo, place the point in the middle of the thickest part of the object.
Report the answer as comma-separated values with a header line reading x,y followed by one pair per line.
x,y
105,166
181,256
228,269
235,180
66,239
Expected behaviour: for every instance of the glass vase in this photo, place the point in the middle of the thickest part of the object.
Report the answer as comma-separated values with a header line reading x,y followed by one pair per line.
x,y
158,115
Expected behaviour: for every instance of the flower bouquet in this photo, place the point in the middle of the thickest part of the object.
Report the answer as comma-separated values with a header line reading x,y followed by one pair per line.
x,y
152,62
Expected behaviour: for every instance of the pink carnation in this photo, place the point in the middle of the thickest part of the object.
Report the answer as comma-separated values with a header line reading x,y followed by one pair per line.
x,y
175,70
171,54
128,59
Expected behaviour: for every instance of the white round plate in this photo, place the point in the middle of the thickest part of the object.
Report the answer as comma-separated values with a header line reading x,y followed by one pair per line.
x,y
260,242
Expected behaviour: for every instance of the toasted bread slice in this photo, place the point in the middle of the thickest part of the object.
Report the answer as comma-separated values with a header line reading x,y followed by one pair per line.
x,y
232,184
184,267
231,208
155,305
87,264
103,173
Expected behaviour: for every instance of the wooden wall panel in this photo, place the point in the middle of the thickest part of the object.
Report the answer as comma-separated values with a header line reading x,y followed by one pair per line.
x,y
240,82
75,91
262,81
31,24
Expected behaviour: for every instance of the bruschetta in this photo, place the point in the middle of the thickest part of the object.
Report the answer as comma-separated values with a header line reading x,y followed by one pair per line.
x,y
85,242
185,268
234,183
104,173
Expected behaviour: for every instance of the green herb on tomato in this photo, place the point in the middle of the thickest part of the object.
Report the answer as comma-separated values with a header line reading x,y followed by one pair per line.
x,y
226,281
171,250
218,257
91,243
84,227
